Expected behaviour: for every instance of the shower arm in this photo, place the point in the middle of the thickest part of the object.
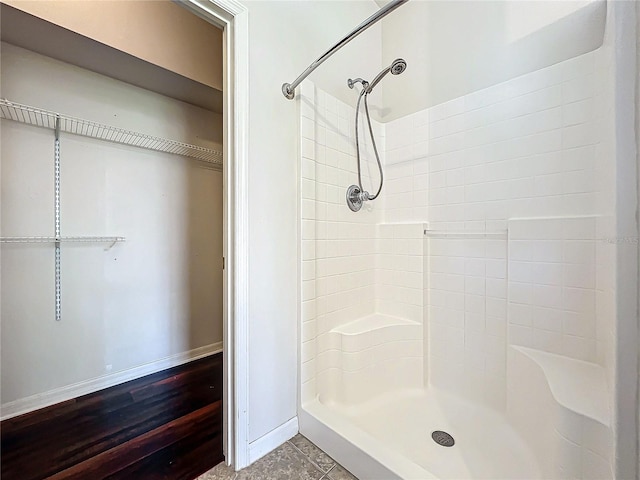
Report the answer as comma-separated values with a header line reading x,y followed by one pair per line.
x,y
288,89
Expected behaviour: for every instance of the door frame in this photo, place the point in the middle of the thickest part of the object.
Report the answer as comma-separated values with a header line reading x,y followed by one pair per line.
x,y
232,17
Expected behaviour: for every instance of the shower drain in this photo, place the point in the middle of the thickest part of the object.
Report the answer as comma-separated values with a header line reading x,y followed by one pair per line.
x,y
443,438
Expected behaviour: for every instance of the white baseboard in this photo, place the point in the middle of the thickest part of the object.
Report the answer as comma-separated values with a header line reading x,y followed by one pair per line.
x,y
276,437
57,395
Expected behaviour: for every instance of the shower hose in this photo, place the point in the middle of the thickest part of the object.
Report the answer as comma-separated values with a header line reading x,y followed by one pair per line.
x,y
365,93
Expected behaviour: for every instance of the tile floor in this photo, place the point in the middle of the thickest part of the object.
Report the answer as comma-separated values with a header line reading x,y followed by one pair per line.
x,y
296,459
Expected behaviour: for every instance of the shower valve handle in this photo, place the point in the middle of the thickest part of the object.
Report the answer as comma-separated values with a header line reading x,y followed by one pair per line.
x,y
356,197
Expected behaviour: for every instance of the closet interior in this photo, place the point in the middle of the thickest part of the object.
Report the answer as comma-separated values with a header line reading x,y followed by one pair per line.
x,y
111,227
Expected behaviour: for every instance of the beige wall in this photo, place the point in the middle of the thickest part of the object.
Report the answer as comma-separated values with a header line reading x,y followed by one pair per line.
x,y
159,32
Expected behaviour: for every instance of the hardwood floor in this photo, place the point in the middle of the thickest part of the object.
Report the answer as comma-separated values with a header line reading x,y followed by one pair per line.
x,y
163,426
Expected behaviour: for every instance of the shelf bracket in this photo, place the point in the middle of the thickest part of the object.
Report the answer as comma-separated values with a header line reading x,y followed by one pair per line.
x,y
113,244
58,286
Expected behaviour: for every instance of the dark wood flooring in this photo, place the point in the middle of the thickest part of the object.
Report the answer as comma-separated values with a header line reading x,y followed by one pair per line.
x,y
163,426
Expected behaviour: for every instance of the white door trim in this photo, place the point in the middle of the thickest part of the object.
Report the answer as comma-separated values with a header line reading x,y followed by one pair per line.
x,y
232,17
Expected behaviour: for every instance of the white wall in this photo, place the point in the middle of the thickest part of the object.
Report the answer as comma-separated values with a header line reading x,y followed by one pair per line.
x,y
352,267
503,157
532,147
532,157
484,170
623,83
157,295
539,145
284,38
455,48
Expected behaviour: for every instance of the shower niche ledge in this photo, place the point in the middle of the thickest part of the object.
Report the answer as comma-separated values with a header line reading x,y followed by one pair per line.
x,y
373,322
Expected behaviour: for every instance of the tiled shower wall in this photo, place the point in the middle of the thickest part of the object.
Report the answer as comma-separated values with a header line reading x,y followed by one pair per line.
x,y
532,147
552,285
338,246
399,271
352,264
523,148
466,312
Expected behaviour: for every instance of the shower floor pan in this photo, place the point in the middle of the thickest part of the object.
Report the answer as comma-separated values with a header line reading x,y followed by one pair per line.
x,y
390,437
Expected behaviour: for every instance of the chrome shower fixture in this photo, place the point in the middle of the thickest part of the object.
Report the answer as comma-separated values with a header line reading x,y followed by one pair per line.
x,y
356,194
396,68
352,82
288,89
356,198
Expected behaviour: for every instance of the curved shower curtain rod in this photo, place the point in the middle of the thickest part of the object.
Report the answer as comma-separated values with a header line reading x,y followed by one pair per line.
x,y
288,89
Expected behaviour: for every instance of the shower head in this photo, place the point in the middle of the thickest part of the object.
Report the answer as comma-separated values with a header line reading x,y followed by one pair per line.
x,y
396,68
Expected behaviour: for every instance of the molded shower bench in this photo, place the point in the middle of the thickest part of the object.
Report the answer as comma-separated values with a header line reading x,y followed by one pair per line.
x,y
560,405
375,354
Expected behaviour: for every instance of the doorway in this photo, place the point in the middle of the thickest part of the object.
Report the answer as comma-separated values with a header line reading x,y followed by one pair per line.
x,y
232,18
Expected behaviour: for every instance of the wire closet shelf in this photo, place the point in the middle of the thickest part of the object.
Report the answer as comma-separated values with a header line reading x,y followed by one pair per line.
x,y
47,119
64,239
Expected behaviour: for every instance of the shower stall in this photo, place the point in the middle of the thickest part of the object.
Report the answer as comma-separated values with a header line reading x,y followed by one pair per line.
x,y
465,324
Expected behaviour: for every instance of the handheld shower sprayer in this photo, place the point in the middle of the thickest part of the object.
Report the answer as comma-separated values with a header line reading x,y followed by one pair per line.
x,y
396,68
356,194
